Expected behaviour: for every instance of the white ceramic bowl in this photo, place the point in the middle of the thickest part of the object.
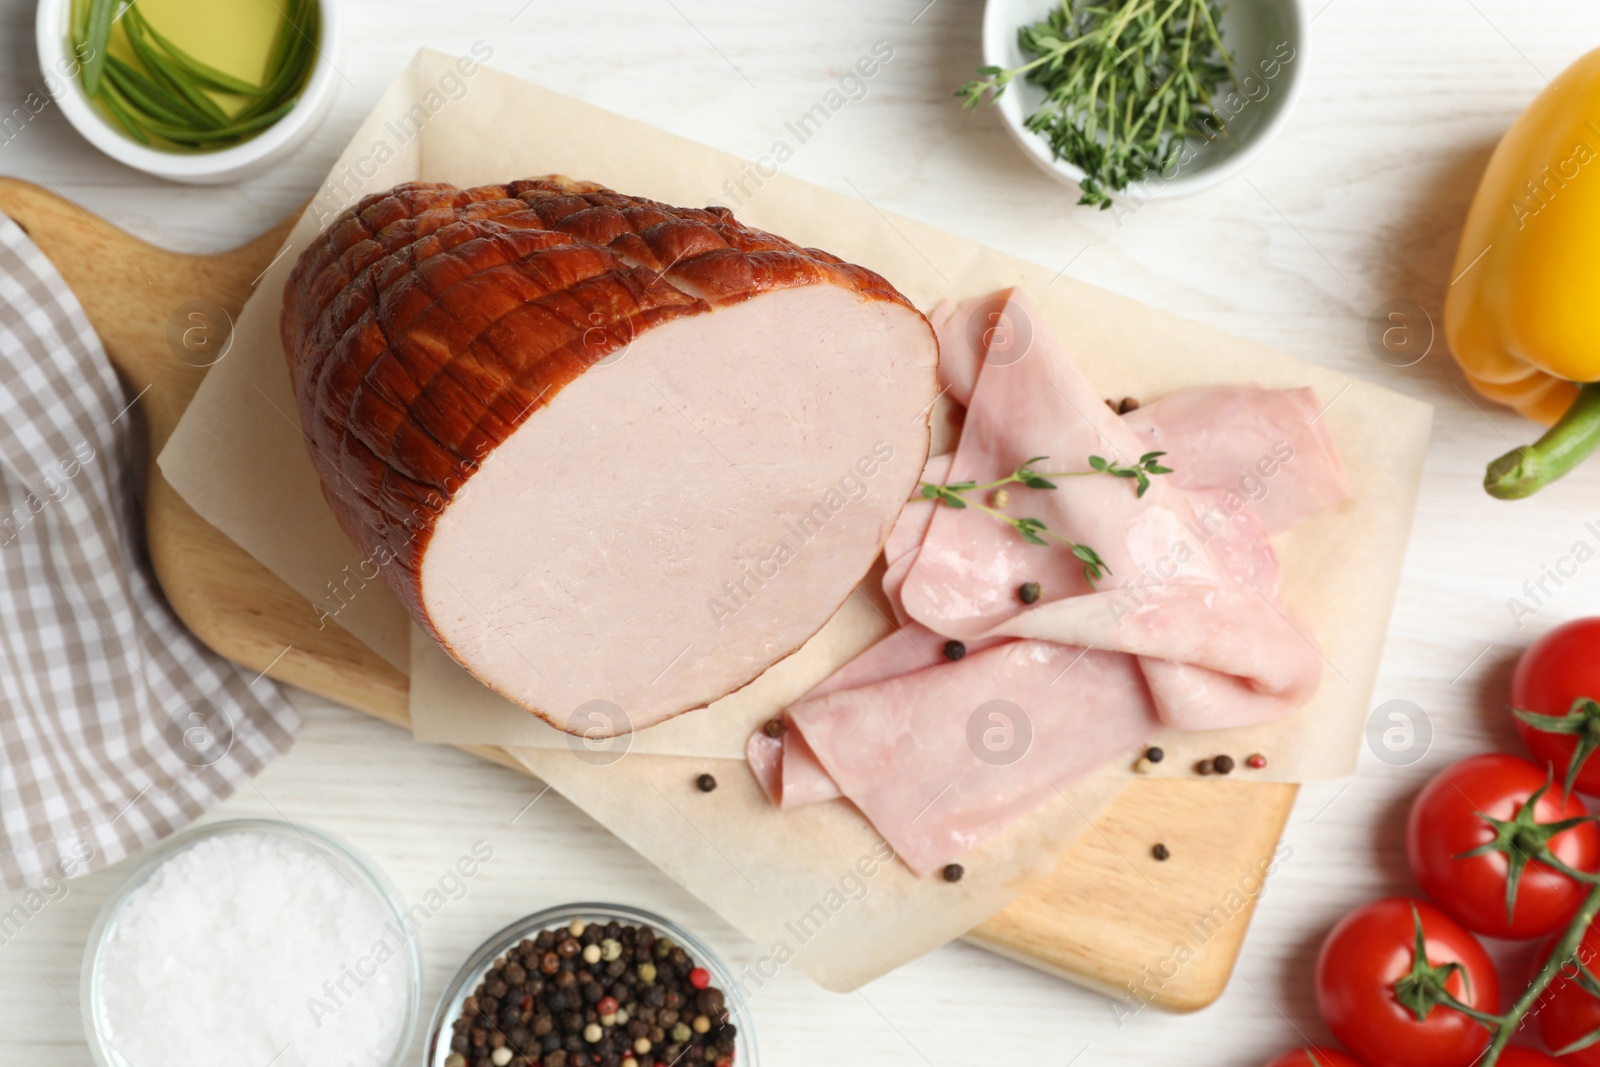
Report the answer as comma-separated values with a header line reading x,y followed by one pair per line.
x,y
52,31
1259,34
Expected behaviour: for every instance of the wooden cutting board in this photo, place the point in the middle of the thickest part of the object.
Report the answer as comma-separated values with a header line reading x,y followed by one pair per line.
x,y
1109,917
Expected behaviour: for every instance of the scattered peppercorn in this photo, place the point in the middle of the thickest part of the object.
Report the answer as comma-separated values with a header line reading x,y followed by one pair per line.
x,y
706,783
1255,761
953,872
1154,754
1028,592
1128,404
954,650
1142,765
1205,766
774,728
593,995
1161,853
1222,764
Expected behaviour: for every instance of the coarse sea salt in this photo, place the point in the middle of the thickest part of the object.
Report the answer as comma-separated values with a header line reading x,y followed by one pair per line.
x,y
254,948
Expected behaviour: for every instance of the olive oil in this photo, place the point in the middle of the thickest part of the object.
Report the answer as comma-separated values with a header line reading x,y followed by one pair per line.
x,y
232,35
195,74
235,36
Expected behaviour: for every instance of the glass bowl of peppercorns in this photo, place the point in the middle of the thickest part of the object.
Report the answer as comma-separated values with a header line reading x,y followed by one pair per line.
x,y
592,985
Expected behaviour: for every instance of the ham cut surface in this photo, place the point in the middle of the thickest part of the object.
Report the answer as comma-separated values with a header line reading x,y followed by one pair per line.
x,y
1186,629
604,449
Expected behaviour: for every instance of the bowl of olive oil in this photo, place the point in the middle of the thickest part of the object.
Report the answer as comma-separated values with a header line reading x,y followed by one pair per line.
x,y
191,90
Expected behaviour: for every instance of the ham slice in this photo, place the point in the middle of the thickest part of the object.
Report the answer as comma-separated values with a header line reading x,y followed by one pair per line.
x,y
604,449
1186,629
943,757
1169,595
1267,449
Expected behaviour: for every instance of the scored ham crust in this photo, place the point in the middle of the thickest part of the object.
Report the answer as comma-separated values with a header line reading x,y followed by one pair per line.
x,y
572,427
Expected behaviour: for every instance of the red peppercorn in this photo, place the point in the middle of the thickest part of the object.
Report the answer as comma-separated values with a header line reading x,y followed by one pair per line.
x,y
1256,762
699,977
606,1006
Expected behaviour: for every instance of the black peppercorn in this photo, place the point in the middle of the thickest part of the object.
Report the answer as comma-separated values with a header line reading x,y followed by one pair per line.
x,y
954,650
1160,852
1155,754
706,783
774,728
953,872
1222,764
1028,592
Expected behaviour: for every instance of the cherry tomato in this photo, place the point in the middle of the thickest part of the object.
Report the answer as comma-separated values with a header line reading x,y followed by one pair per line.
x,y
1557,669
1567,1012
1316,1057
1447,819
1363,958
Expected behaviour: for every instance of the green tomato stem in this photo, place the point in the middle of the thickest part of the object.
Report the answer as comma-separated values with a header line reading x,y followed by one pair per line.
x,y
1528,468
1560,956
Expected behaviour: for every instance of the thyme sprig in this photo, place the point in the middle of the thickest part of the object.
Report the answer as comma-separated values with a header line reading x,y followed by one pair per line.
x,y
1123,79
1034,531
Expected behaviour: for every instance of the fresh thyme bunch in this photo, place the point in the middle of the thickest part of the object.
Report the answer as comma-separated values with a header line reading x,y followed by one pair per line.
x,y
1123,79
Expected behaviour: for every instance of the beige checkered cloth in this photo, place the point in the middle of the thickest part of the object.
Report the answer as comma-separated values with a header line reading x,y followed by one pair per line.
x,y
117,727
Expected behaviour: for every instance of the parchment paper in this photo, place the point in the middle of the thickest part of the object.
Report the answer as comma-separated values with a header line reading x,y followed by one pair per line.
x,y
238,458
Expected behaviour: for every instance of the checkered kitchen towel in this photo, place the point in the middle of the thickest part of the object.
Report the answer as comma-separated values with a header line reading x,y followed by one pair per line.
x,y
117,727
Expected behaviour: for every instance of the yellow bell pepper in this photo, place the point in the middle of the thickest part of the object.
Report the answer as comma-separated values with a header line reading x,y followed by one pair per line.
x,y
1523,310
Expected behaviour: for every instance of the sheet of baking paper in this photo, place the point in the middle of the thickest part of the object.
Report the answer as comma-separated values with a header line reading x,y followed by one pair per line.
x,y
238,458
810,884
1126,348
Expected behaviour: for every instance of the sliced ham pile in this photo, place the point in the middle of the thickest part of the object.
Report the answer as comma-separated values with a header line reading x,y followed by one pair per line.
x,y
1186,630
613,455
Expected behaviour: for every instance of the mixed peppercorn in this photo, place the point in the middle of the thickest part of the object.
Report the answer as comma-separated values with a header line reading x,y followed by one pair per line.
x,y
594,995
1223,764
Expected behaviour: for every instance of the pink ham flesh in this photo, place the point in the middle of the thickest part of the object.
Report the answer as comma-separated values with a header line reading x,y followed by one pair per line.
x,y
1186,629
1269,448
902,748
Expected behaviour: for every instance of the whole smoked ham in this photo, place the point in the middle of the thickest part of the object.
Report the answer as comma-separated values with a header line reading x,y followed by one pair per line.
x,y
603,449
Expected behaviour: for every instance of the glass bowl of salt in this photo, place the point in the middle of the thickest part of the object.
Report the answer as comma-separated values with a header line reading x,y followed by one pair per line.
x,y
252,941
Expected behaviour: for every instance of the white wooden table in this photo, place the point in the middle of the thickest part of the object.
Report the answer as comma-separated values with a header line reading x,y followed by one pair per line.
x,y
1358,203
